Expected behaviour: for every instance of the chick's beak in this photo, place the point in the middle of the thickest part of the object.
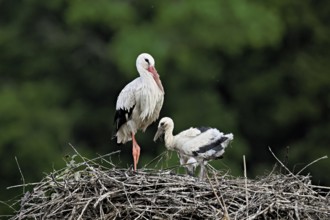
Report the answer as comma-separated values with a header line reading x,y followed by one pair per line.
x,y
159,133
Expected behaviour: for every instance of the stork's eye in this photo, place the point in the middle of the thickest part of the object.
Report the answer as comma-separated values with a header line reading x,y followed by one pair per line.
x,y
162,124
147,60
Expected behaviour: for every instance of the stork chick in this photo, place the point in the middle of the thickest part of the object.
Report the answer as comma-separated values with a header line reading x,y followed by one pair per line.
x,y
200,144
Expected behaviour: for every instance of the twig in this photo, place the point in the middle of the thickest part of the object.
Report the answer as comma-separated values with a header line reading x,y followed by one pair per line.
x,y
296,211
280,161
22,185
261,212
321,158
286,158
85,207
23,180
321,187
218,199
6,204
79,155
221,197
159,156
246,190
106,155
105,196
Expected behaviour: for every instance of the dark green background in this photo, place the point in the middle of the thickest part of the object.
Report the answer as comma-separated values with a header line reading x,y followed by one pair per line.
x,y
258,69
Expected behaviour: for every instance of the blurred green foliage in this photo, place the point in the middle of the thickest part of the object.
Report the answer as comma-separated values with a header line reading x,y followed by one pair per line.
x,y
259,69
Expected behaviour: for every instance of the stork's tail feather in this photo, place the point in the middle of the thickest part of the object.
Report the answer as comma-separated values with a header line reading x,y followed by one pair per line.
x,y
226,139
115,138
229,138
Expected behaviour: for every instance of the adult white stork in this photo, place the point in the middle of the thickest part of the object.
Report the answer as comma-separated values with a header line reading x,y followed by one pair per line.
x,y
194,144
139,104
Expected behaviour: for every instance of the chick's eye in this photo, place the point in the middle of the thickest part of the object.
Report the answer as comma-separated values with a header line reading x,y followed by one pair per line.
x,y
147,60
162,124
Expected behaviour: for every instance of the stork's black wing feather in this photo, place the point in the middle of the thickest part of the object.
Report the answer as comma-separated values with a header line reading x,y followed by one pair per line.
x,y
216,146
122,116
203,129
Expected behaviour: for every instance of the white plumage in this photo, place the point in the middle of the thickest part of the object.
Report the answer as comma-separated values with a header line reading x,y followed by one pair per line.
x,y
139,103
194,144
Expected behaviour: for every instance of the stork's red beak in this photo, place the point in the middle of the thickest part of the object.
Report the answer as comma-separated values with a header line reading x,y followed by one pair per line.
x,y
152,70
155,75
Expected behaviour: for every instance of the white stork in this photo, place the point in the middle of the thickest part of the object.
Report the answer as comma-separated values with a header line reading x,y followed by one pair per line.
x,y
139,104
194,144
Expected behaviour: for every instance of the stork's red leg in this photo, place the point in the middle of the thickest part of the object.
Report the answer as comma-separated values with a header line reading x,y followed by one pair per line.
x,y
135,152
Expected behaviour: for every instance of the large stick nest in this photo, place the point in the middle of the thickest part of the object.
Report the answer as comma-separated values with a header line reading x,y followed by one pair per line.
x,y
88,190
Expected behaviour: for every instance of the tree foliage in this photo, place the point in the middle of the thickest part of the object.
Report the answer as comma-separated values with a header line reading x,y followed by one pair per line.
x,y
257,69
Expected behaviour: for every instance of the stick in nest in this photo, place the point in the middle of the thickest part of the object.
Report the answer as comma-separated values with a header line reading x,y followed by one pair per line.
x,y
321,158
22,176
246,190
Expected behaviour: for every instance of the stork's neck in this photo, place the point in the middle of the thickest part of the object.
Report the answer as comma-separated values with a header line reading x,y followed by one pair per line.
x,y
143,72
169,139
